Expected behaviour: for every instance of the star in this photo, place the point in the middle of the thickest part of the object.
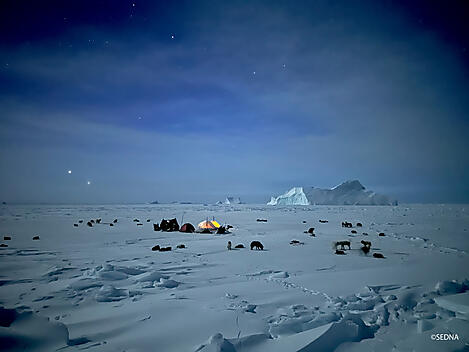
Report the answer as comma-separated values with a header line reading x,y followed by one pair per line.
x,y
133,5
88,183
172,36
284,65
69,172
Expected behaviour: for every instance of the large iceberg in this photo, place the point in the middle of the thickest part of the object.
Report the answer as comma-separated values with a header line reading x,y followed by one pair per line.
x,y
347,193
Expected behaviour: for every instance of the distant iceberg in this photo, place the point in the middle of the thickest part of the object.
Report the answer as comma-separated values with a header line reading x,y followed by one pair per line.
x,y
232,200
347,193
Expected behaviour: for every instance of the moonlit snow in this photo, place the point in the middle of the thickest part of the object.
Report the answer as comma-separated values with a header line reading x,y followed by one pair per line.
x,y
102,288
347,193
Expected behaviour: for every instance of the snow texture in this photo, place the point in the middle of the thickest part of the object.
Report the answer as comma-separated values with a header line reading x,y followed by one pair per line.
x,y
102,288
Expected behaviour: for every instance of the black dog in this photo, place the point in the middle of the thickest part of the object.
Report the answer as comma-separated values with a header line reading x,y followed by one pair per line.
x,y
257,245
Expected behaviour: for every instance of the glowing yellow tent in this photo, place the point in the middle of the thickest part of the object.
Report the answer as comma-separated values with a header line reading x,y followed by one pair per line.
x,y
209,225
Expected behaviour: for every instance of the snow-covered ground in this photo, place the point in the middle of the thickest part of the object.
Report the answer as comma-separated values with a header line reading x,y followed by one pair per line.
x,y
102,288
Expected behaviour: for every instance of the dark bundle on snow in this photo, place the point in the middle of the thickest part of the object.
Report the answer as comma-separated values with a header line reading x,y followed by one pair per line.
x,y
229,227
239,246
156,227
164,225
173,225
311,231
342,244
35,238
181,246
161,249
295,242
381,234
378,255
111,224
92,221
353,231
221,230
98,221
80,221
323,221
76,225
187,228
3,245
115,221
304,221
139,224
89,224
136,220
359,224
346,224
339,252
148,220
169,225
261,220
6,238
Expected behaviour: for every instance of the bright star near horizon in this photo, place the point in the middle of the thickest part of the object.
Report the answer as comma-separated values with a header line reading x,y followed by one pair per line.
x,y
172,36
69,172
88,183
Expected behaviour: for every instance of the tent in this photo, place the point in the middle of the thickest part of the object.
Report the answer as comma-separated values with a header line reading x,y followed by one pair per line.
x,y
187,227
209,225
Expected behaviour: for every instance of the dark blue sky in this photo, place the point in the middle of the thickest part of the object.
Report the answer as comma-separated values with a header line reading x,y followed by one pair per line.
x,y
197,100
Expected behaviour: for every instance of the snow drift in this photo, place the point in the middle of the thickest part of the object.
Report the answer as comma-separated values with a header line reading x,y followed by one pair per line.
x,y
347,193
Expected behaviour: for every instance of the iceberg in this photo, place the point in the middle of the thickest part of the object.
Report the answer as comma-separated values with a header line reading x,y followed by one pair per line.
x,y
347,193
232,200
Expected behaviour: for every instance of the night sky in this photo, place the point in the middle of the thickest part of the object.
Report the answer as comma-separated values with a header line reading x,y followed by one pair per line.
x,y
197,100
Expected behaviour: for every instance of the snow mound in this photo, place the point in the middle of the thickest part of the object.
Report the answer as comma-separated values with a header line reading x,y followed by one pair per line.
x,y
217,343
347,193
111,294
167,283
26,331
451,287
280,275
